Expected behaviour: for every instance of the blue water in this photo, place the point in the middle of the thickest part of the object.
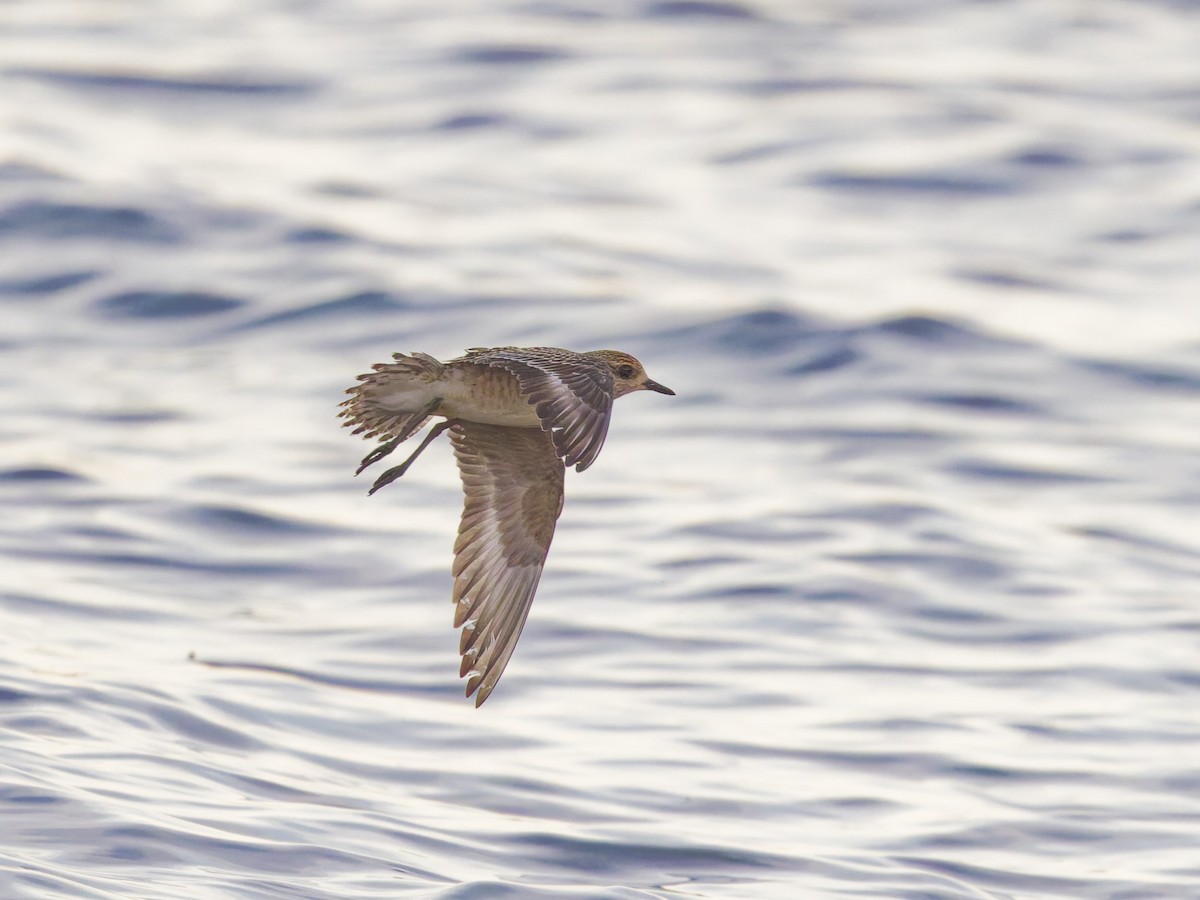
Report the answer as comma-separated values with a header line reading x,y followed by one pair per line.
x,y
898,598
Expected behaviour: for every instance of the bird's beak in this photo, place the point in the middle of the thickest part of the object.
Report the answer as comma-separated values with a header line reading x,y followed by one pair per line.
x,y
655,386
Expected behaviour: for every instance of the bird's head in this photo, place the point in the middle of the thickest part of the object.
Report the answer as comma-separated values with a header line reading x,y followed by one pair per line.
x,y
628,374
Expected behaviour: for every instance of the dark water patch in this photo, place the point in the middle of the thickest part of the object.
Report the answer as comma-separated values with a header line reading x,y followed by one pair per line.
x,y
898,725
701,562
1147,376
955,615
851,443
1024,884
699,9
1028,476
197,728
155,561
471,122
1115,535
38,475
828,360
526,798
840,807
1189,678
152,845
1107,677
624,859
370,304
562,639
890,514
19,171
131,417
1038,589
985,630
1010,280
132,84
757,332
10,696
487,889
1048,158
316,235
270,789
690,265
1016,676
907,765
45,284
389,773
1127,236
1089,734
243,523
768,530
875,346
42,605
1048,839
19,795
937,185
982,403
26,883
755,153
774,87
370,685
99,533
953,566
748,592
507,55
569,11
865,595
346,189
925,329
910,764
63,221
166,304
381,731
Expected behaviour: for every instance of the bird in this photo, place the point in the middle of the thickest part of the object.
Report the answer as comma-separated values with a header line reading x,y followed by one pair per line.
x,y
517,417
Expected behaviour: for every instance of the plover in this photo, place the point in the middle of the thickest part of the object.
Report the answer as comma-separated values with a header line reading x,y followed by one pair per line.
x,y
517,417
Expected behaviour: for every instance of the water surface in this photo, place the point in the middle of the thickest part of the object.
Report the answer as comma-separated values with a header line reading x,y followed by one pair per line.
x,y
897,598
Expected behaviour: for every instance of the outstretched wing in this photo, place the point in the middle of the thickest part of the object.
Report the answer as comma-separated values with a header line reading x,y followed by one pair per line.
x,y
513,482
572,393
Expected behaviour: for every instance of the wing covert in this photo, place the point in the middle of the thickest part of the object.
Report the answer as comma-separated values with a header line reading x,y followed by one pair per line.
x,y
571,392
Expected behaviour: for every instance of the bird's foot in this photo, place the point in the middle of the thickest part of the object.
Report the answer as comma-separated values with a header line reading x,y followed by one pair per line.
x,y
392,474
414,422
379,453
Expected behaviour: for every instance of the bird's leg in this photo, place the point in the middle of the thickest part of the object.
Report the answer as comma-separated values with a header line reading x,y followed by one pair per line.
x,y
392,474
384,449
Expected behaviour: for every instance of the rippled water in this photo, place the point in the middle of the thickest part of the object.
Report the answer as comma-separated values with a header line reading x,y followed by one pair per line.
x,y
897,598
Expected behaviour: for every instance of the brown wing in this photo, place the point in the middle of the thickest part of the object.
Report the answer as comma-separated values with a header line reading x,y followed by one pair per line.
x,y
513,482
572,393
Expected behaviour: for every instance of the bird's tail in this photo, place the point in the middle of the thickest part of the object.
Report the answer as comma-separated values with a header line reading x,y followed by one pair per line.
x,y
394,400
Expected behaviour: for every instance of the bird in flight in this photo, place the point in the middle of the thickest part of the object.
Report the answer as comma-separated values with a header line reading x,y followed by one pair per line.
x,y
517,417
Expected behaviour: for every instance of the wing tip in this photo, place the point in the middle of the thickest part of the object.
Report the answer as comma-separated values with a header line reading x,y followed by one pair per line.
x,y
476,686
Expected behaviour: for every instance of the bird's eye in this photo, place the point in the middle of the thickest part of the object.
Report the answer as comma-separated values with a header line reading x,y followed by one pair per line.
x,y
625,371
